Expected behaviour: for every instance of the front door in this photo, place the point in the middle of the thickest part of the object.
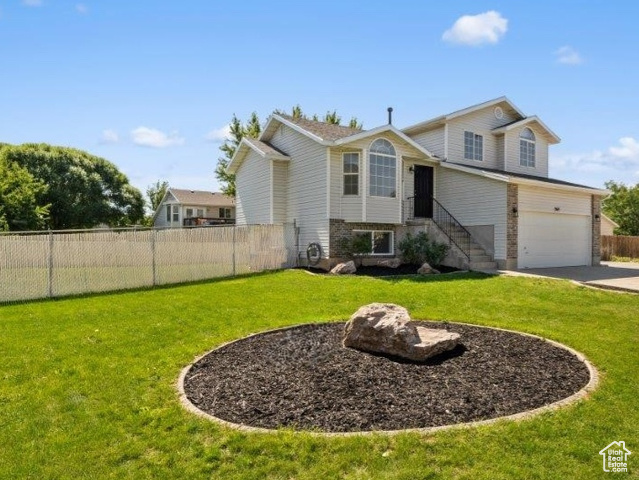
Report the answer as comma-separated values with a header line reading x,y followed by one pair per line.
x,y
423,191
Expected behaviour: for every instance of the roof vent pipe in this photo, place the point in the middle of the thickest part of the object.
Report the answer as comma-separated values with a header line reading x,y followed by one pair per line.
x,y
390,115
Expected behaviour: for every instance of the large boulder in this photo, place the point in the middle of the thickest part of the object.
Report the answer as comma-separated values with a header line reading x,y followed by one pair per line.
x,y
426,269
344,268
387,328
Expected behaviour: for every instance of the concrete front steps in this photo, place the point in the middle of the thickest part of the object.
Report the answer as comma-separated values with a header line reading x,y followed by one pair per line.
x,y
479,259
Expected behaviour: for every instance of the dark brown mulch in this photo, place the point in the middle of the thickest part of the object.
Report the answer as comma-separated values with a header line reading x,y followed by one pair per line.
x,y
303,377
376,271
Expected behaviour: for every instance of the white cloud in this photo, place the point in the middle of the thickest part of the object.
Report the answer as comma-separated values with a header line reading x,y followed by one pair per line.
x,y
150,137
475,30
81,8
109,136
568,56
219,135
619,162
32,3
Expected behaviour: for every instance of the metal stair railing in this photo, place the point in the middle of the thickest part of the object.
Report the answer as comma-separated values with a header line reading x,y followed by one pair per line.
x,y
454,230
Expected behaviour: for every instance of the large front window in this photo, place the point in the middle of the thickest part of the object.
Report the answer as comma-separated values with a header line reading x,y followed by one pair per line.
x,y
527,148
473,146
382,169
381,242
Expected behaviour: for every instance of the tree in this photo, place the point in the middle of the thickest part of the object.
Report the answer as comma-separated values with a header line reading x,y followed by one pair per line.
x,y
82,190
623,207
155,193
19,192
251,129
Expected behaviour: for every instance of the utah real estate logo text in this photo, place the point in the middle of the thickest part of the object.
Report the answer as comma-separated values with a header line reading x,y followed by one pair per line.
x,y
615,457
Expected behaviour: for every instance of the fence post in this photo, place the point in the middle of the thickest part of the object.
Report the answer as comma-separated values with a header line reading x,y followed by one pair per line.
x,y
153,266
234,229
50,265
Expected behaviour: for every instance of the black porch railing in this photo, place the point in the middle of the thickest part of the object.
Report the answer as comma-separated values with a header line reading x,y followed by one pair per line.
x,y
446,222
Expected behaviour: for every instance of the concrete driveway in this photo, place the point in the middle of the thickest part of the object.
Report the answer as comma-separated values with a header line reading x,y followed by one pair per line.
x,y
612,275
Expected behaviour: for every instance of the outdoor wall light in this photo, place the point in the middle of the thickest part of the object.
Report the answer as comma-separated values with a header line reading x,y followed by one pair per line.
x,y
411,169
597,217
515,211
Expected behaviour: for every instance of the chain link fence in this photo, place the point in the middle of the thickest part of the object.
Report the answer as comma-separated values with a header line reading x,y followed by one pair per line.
x,y
55,264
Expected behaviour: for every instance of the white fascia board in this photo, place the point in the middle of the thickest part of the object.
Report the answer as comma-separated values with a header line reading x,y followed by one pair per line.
x,y
383,129
238,157
465,111
555,138
479,173
558,186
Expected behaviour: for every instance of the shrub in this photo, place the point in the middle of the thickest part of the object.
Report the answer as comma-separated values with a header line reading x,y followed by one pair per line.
x,y
417,249
357,246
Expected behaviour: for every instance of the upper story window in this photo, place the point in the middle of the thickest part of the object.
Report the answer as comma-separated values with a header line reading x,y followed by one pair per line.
x,y
350,162
473,146
527,148
383,169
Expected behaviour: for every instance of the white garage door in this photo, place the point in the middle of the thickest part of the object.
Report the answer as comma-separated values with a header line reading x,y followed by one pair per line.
x,y
553,240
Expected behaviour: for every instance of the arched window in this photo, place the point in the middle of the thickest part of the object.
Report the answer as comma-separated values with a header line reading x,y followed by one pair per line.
x,y
382,169
527,148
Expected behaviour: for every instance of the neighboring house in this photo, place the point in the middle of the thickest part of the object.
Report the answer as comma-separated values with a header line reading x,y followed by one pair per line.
x,y
180,208
476,178
608,225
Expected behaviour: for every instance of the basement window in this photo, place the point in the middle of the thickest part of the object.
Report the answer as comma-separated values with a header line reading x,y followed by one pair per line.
x,y
381,242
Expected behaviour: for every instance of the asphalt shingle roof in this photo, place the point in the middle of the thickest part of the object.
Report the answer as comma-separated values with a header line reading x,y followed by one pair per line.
x,y
326,131
202,197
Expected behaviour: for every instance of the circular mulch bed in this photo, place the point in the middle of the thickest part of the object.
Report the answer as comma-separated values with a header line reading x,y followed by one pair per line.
x,y
303,377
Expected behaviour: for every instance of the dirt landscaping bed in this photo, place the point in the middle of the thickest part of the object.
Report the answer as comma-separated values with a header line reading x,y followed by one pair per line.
x,y
303,377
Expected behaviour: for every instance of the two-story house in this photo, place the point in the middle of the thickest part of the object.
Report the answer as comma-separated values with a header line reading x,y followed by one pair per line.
x,y
477,178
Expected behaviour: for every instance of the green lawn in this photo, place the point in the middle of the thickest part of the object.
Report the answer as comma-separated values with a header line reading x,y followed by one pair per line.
x,y
87,385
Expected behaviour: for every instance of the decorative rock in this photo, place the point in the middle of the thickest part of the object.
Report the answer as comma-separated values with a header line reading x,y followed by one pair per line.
x,y
390,263
386,328
344,268
426,269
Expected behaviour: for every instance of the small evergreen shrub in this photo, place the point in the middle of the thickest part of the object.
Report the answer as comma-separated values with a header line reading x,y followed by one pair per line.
x,y
417,249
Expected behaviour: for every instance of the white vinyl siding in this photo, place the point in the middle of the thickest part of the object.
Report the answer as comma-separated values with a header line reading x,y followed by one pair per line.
x,y
306,194
481,122
253,200
548,200
280,178
513,153
474,201
433,141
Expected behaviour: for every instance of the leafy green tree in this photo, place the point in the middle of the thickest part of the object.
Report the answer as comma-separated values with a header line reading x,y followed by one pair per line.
x,y
250,129
155,193
19,192
82,190
623,207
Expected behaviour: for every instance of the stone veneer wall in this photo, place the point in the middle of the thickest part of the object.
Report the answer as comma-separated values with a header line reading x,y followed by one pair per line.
x,y
512,227
339,229
596,229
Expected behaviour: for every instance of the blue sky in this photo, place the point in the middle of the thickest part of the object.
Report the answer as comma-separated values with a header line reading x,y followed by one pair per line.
x,y
151,85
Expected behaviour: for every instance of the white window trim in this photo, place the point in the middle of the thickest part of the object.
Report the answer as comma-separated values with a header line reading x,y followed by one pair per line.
x,y
392,241
482,146
397,167
359,174
534,144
